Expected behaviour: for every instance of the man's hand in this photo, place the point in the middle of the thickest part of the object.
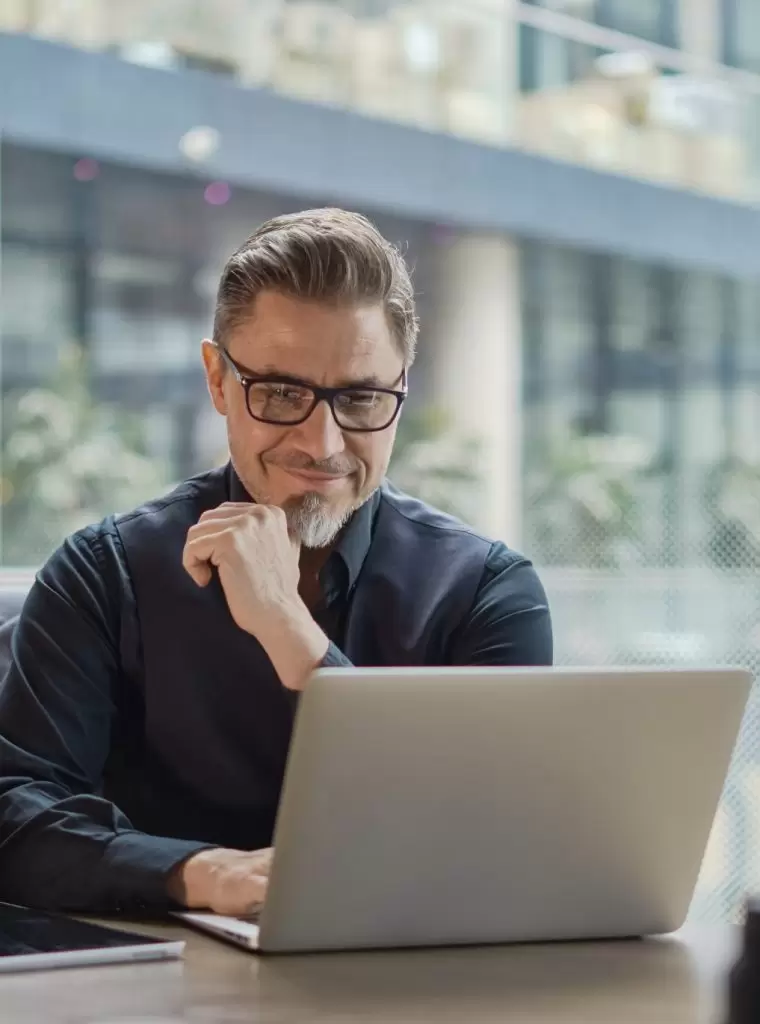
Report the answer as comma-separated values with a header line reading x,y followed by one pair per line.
x,y
228,882
257,563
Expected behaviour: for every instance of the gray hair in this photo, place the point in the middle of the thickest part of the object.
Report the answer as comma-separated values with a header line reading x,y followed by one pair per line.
x,y
327,255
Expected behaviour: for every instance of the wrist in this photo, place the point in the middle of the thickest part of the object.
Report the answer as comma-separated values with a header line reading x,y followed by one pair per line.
x,y
295,644
185,883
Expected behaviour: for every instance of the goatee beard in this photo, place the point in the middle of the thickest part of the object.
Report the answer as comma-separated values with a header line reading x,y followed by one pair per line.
x,y
312,521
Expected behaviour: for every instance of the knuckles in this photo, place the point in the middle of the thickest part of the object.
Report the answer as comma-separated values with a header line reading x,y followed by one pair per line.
x,y
238,532
255,515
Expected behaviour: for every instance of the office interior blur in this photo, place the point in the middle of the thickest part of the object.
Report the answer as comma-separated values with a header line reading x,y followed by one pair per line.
x,y
575,184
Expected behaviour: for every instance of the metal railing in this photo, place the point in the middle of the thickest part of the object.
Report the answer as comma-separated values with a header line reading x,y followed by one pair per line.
x,y
502,73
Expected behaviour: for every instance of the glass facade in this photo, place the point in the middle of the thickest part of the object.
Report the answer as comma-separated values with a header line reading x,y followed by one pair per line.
x,y
655,20
640,421
471,68
741,34
642,484
663,357
108,282
621,112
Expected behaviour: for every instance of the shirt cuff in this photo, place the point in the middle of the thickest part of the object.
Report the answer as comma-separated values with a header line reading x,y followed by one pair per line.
x,y
335,658
140,865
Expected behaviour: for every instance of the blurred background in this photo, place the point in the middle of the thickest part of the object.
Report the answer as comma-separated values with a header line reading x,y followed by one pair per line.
x,y
576,185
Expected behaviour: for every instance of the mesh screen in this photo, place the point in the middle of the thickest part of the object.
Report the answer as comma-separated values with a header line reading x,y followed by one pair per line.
x,y
641,447
686,617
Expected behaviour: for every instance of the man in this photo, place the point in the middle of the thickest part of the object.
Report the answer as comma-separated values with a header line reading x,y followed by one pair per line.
x,y
146,715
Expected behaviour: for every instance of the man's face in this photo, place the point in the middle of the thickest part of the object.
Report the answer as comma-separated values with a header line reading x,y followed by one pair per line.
x,y
317,472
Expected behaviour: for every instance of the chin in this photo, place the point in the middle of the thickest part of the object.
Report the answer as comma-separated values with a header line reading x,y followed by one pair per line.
x,y
314,523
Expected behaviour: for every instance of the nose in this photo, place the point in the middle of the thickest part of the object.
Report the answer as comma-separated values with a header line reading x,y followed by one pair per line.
x,y
320,436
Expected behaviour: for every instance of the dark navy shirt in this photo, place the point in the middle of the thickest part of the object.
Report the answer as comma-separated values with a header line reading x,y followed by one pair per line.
x,y
139,724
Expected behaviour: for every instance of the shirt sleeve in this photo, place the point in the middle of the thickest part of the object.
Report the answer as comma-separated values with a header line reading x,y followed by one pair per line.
x,y
61,844
335,658
509,622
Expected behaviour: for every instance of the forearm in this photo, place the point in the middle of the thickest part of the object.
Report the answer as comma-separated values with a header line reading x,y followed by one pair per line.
x,y
80,853
61,845
297,646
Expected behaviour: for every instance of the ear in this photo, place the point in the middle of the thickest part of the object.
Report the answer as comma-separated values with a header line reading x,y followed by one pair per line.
x,y
216,376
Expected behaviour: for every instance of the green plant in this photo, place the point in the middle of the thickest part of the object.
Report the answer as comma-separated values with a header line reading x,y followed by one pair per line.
x,y
437,464
732,506
584,505
67,460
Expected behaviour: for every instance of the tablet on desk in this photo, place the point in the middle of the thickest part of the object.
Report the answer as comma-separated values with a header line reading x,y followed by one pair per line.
x,y
34,939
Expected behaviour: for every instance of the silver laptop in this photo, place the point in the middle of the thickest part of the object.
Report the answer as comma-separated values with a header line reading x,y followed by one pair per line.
x,y
455,806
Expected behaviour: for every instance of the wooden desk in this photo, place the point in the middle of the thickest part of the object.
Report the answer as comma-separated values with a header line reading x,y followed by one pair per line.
x,y
659,981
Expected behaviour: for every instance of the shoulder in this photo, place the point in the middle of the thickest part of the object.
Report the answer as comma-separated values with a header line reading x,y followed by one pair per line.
x,y
422,518
98,549
189,498
424,523
436,537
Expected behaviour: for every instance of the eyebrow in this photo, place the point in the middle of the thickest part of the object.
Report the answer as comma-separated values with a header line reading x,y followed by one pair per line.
x,y
270,371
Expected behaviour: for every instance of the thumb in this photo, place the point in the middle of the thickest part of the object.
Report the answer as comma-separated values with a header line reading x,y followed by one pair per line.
x,y
201,572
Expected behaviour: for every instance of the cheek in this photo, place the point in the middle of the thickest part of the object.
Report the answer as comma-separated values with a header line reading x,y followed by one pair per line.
x,y
248,438
374,453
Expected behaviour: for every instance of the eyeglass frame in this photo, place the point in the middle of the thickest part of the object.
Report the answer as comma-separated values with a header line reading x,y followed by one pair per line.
x,y
246,379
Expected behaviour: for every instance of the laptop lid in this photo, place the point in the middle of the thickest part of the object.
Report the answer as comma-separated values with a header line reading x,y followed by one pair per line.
x,y
449,806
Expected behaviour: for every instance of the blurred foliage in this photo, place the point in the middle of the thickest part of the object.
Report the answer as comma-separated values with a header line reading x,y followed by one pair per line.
x,y
435,463
67,460
732,505
584,504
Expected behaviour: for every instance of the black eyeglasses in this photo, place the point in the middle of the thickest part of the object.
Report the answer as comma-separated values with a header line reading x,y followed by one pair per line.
x,y
287,402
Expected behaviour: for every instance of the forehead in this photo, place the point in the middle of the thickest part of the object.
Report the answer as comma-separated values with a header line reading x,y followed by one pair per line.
x,y
319,341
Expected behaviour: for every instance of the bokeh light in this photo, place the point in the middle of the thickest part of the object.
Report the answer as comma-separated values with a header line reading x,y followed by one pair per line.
x,y
199,143
217,193
86,169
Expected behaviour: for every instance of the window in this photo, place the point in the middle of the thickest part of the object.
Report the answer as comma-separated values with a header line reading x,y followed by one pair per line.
x,y
642,464
655,20
549,61
741,34
108,286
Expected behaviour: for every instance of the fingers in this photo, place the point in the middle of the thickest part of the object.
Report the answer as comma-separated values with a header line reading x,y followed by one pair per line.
x,y
235,896
204,548
218,528
229,510
265,858
226,881
200,572
235,509
241,886
207,543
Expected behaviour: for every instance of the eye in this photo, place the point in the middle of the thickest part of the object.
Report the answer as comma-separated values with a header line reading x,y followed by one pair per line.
x,y
284,393
356,399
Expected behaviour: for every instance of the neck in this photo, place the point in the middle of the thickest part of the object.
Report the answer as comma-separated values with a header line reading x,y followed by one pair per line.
x,y
310,562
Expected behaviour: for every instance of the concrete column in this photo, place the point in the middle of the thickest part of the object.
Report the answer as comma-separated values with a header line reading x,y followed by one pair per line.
x,y
477,365
701,30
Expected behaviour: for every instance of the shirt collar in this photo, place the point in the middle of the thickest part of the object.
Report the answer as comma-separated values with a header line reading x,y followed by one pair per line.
x,y
355,539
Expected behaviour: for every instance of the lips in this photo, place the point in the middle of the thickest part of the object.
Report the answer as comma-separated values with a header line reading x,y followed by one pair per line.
x,y
319,476
316,478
